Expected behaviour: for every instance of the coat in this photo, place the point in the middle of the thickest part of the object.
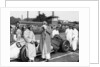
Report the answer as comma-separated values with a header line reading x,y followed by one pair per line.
x,y
75,39
55,32
45,39
69,33
30,48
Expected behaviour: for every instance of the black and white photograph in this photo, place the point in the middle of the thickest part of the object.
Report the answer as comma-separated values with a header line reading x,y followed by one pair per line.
x,y
44,36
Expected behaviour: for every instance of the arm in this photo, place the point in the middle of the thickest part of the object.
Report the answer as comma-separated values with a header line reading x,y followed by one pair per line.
x,y
27,37
66,33
14,37
33,37
48,30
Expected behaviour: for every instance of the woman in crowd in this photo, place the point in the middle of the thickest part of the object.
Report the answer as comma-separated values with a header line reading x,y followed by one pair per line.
x,y
19,38
16,46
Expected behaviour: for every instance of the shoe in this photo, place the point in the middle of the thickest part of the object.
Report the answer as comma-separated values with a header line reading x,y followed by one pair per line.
x,y
72,51
43,59
47,60
31,60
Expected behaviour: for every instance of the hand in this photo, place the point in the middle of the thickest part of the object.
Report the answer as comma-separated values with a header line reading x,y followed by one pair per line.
x,y
18,45
36,43
32,42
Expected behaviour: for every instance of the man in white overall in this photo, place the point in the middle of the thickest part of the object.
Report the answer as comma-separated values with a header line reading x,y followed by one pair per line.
x,y
30,46
68,33
55,31
74,39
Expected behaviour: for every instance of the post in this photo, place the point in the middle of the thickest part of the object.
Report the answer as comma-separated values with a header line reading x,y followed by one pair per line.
x,y
38,12
27,15
21,17
53,13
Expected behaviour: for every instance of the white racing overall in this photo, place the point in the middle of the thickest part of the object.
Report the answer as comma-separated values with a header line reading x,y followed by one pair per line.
x,y
31,50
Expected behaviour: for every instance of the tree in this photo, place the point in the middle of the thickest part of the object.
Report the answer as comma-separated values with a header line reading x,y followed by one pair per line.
x,y
40,18
13,20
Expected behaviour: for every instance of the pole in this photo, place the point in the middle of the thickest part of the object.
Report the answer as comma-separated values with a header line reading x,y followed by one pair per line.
x,y
53,13
27,15
21,17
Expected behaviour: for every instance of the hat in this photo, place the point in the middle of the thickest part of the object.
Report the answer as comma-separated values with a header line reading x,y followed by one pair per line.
x,y
54,26
44,22
10,26
44,26
17,22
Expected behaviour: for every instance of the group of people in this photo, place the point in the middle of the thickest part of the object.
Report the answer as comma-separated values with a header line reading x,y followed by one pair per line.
x,y
72,35
25,36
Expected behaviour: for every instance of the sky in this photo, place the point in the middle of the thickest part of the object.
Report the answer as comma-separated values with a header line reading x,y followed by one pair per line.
x,y
63,15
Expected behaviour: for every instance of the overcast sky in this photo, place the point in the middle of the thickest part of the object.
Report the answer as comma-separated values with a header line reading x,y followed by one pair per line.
x,y
63,15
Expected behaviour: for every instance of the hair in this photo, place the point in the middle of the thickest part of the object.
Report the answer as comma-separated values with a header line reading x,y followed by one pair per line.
x,y
70,27
17,22
22,31
28,27
43,29
57,27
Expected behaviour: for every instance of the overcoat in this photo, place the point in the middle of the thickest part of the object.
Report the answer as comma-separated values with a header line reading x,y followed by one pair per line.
x,y
45,39
30,48
75,39
69,33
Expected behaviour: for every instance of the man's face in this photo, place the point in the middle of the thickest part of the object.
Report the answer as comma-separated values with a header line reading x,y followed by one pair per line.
x,y
31,28
17,24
